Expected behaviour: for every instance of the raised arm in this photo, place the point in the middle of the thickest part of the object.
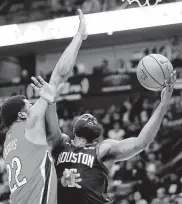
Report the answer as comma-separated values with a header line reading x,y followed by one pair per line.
x,y
39,108
64,66
61,73
54,134
35,123
125,149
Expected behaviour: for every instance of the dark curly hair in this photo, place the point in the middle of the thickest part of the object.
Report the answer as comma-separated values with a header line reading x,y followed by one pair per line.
x,y
10,109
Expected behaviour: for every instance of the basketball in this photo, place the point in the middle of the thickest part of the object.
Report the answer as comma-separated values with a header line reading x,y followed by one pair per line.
x,y
153,70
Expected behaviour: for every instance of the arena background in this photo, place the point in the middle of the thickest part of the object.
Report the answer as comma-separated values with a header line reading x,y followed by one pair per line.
x,y
104,83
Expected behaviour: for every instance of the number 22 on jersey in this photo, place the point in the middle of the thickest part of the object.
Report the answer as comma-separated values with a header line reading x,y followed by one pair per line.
x,y
15,164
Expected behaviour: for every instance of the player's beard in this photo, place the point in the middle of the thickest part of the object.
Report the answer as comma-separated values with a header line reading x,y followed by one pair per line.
x,y
88,131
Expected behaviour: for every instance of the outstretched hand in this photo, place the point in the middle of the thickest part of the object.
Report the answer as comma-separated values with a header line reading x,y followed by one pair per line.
x,y
44,90
168,90
82,27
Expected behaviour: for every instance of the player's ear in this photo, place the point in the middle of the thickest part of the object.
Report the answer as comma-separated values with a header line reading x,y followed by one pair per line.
x,y
22,115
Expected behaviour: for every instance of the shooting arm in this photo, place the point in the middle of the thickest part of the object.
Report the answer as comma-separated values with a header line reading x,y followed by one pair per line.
x,y
125,149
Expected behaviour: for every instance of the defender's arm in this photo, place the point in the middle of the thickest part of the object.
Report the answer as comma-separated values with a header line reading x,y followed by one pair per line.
x,y
54,134
35,123
60,75
64,66
38,110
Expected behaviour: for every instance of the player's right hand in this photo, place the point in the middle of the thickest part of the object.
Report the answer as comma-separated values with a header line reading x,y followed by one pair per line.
x,y
168,90
82,27
45,90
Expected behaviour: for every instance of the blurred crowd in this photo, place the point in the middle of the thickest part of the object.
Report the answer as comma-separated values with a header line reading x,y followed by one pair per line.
x,y
21,11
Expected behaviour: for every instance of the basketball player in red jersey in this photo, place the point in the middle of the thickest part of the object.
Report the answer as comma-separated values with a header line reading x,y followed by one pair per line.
x,y
94,160
31,173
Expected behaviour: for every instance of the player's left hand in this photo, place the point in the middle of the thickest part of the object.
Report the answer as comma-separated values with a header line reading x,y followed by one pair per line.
x,y
168,90
82,27
45,90
71,178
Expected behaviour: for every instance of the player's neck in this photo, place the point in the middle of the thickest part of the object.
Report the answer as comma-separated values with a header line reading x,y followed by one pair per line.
x,y
80,142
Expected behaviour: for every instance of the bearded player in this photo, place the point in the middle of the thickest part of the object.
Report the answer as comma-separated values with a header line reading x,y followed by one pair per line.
x,y
31,172
94,160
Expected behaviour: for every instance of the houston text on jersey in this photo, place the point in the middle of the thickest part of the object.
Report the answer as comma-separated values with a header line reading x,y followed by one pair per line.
x,y
85,159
